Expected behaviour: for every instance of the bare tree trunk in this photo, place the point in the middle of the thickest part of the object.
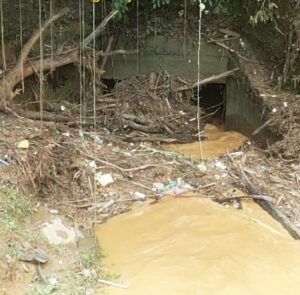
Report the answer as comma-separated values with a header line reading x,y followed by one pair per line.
x,y
15,75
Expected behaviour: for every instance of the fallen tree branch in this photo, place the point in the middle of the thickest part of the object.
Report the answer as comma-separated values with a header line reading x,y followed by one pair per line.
x,y
120,168
100,27
210,79
155,139
267,206
253,197
227,48
36,36
108,49
37,115
260,128
23,69
109,283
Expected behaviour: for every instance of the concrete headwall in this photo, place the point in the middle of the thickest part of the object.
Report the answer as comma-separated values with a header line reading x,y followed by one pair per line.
x,y
244,111
167,53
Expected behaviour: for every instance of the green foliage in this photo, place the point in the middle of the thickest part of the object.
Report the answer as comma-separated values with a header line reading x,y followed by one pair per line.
x,y
121,5
159,3
124,5
266,12
16,208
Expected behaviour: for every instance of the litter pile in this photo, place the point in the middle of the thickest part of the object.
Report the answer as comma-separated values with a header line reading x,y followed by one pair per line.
x,y
91,176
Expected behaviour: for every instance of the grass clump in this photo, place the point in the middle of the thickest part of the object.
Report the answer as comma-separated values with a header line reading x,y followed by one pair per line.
x,y
13,209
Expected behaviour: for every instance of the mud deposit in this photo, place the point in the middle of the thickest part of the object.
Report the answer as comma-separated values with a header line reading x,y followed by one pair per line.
x,y
217,143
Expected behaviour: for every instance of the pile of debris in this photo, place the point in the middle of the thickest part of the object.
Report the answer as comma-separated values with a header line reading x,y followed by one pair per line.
x,y
153,108
287,121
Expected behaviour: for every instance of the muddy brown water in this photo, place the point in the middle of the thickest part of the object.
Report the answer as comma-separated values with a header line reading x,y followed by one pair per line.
x,y
218,143
194,246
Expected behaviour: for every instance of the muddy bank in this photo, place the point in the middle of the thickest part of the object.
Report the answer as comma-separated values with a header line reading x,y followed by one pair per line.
x,y
64,170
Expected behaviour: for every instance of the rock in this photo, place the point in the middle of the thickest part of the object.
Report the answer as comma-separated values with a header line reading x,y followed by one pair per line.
x,y
34,255
58,233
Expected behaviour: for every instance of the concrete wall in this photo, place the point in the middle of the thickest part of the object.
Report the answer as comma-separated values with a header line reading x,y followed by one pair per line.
x,y
167,52
244,111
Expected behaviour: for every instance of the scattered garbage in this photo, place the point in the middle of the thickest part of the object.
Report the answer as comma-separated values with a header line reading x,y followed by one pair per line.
x,y
90,291
237,204
104,179
24,144
66,134
53,281
158,187
263,168
93,164
53,211
140,195
98,140
220,165
4,162
36,255
202,167
236,154
177,187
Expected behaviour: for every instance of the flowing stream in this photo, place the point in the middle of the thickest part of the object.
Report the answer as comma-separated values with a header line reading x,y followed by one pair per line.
x,y
193,246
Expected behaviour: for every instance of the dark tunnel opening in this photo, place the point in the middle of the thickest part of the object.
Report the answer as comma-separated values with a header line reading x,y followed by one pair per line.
x,y
213,101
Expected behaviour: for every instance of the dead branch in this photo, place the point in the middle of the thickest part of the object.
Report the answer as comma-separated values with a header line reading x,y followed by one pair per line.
x,y
263,126
108,49
15,75
253,197
36,36
268,206
155,139
226,47
120,168
100,27
210,79
37,115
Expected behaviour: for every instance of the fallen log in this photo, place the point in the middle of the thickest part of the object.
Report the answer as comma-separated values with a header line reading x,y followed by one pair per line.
x,y
155,139
210,79
25,68
276,213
